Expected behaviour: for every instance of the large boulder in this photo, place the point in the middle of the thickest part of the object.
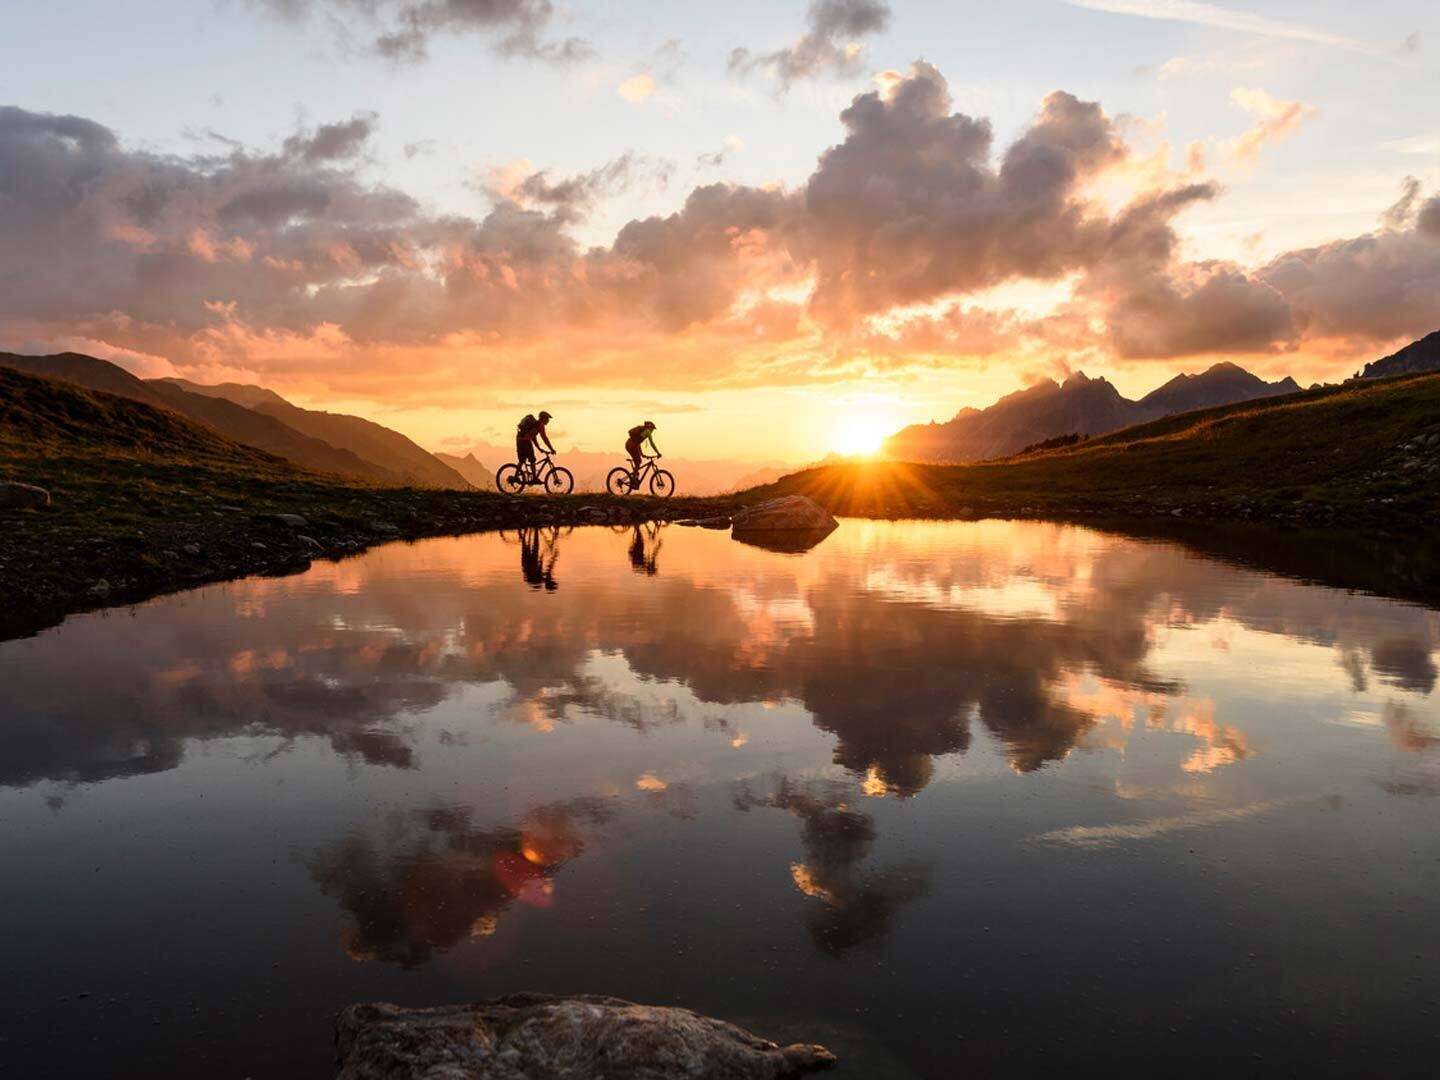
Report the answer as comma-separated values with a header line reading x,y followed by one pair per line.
x,y
789,512
538,1037
791,523
22,496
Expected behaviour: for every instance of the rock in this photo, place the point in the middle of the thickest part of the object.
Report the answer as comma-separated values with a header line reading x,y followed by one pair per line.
x,y
537,1037
294,521
310,542
100,588
382,527
193,550
786,512
22,496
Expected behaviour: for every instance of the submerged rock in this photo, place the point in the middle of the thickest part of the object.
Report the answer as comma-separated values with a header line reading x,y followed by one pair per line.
x,y
537,1037
22,495
787,512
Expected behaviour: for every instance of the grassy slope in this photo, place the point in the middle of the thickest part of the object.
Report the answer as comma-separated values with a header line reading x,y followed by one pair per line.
x,y
1334,455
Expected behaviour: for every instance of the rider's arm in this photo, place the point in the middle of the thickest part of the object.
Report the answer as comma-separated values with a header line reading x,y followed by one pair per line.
x,y
651,440
548,444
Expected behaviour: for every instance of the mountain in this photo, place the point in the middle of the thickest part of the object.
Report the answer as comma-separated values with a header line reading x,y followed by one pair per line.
x,y
1078,406
1418,356
374,442
1223,384
1276,459
471,468
233,421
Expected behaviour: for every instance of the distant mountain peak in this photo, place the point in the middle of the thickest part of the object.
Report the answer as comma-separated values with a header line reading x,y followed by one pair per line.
x,y
1080,405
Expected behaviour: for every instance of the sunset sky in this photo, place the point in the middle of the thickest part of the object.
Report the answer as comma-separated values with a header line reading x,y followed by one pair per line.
x,y
763,226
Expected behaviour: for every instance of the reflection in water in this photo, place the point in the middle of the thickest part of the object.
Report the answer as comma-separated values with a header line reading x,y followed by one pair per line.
x,y
855,905
1047,637
430,879
645,544
1124,759
537,567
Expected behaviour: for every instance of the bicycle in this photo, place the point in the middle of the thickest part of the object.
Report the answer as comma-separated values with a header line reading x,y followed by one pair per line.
x,y
512,479
623,479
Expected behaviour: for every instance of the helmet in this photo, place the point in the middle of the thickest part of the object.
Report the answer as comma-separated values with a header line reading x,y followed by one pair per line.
x,y
544,416
649,423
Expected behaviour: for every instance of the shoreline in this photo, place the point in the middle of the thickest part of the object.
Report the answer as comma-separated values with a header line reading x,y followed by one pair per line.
x,y
48,573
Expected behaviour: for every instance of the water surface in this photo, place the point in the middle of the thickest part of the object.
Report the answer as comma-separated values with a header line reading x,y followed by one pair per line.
x,y
990,797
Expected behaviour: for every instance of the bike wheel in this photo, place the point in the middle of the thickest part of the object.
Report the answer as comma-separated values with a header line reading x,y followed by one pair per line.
x,y
509,479
618,482
559,481
662,484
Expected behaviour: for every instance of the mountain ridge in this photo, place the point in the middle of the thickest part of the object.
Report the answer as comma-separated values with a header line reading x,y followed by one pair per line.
x,y
235,422
367,439
1079,406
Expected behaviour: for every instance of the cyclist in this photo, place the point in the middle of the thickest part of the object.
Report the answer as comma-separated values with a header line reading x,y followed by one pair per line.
x,y
527,433
637,437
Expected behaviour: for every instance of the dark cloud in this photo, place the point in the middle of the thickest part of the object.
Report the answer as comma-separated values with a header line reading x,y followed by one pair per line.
x,y
402,30
332,142
909,206
830,44
1428,220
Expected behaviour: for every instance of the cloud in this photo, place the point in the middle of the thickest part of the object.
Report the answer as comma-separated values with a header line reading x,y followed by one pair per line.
x,y
332,142
909,207
1203,14
829,46
636,88
402,30
292,264
1274,120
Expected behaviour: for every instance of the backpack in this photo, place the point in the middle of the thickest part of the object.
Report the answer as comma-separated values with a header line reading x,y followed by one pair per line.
x,y
527,426
638,433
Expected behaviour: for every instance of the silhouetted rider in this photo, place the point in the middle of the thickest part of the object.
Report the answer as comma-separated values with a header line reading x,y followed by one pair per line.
x,y
527,433
638,436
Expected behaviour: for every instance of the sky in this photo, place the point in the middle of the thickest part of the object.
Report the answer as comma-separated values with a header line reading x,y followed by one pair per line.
x,y
774,229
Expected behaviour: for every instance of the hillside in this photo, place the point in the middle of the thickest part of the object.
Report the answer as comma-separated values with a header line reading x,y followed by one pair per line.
x,y
237,423
1078,406
375,443
1362,453
475,471
1418,356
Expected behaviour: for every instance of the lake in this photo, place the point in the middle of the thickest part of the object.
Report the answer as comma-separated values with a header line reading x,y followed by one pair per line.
x,y
952,798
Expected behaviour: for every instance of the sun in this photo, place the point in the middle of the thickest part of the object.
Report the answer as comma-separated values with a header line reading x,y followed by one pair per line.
x,y
859,434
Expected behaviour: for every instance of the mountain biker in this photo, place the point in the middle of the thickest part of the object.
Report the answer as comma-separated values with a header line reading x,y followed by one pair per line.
x,y
528,432
637,437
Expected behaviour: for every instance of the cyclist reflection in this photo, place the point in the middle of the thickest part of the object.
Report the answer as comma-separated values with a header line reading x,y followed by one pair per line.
x,y
645,547
537,557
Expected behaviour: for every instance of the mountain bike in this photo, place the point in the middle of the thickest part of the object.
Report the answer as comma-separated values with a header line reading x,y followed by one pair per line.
x,y
623,479
512,479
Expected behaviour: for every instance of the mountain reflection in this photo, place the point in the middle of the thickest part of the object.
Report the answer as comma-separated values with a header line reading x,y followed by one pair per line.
x,y
899,641
430,879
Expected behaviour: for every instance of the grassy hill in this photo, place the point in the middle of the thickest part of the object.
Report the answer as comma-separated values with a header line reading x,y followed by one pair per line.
x,y
243,425
1332,456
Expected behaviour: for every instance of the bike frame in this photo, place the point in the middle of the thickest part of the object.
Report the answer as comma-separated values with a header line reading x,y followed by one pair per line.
x,y
644,470
543,466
